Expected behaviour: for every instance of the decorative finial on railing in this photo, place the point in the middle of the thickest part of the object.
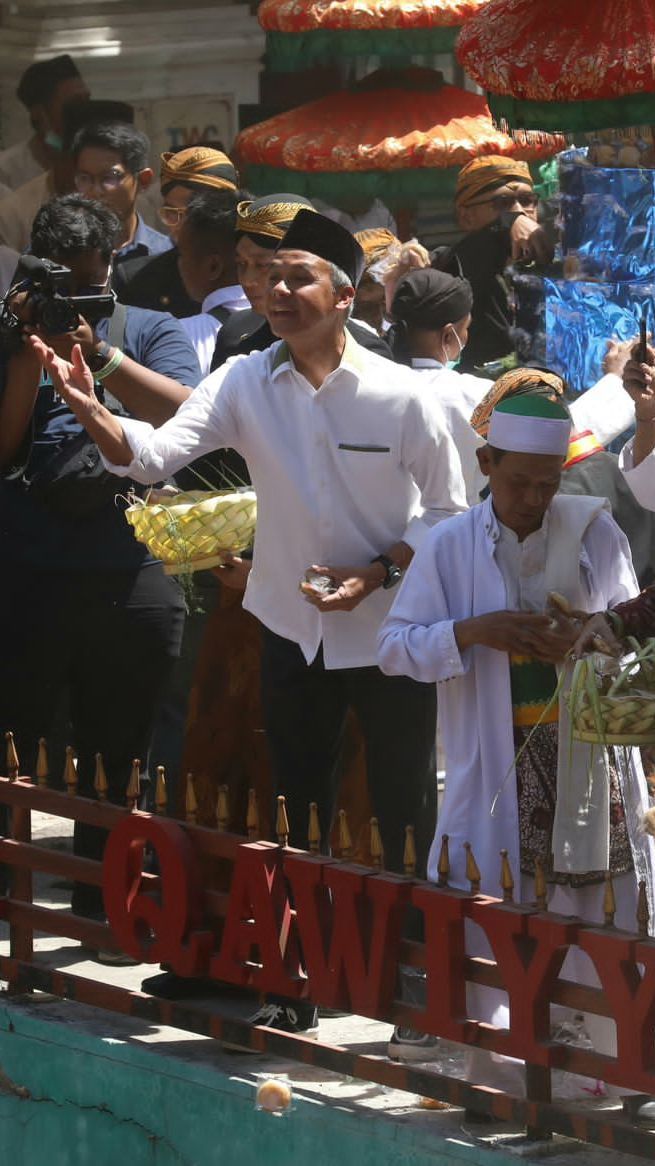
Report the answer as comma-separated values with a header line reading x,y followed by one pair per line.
x,y
222,809
609,900
134,785
100,783
409,853
252,816
190,801
70,771
13,764
443,866
540,885
42,767
472,870
345,840
314,829
161,793
376,847
643,914
282,822
506,878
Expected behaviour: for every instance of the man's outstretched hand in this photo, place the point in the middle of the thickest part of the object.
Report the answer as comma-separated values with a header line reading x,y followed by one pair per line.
x,y
72,378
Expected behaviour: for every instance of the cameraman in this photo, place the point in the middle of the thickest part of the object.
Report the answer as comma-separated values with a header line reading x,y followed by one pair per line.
x,y
85,612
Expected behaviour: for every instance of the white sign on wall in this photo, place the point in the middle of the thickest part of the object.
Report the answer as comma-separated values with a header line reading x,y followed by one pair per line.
x,y
172,123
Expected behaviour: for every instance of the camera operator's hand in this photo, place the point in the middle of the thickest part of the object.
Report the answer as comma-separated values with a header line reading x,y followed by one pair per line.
x,y
72,378
64,342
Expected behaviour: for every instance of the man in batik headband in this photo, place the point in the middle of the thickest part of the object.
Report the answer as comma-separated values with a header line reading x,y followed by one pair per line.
x,y
474,616
156,283
260,227
496,207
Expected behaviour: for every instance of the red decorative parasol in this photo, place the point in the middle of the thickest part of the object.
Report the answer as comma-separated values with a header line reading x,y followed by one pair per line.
x,y
573,65
323,31
391,141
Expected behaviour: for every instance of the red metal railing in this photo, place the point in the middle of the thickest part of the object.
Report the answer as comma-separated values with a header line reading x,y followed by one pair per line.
x,y
329,894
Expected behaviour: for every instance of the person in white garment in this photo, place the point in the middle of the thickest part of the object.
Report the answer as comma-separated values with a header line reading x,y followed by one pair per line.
x,y
432,313
44,89
472,615
637,458
352,465
207,264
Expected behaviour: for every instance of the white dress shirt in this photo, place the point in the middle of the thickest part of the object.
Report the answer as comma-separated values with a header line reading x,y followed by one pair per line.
x,y
341,473
458,394
202,329
641,478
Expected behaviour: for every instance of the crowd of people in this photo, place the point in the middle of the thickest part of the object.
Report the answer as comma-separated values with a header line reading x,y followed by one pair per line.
x,y
415,509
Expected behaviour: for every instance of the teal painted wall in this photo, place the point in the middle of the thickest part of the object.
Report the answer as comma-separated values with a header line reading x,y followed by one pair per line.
x,y
102,1101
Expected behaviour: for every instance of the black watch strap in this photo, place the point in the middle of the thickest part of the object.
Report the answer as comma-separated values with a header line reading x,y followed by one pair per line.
x,y
393,572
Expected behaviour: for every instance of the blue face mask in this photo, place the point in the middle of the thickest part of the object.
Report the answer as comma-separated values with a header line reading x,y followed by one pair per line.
x,y
452,364
53,140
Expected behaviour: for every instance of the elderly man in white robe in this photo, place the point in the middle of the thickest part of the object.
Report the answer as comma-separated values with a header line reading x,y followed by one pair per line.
x,y
473,615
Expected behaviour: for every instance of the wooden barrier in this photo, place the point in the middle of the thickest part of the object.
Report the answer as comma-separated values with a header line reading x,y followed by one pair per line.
x,y
323,928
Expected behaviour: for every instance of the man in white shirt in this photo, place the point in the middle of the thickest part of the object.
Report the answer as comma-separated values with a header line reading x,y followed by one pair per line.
x,y
44,89
352,464
207,264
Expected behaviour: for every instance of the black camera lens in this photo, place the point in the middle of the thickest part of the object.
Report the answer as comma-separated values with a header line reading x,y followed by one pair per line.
x,y
57,315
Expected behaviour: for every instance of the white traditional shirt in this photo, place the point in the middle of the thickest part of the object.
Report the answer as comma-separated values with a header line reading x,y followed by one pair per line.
x,y
203,328
18,165
641,478
341,473
459,573
458,394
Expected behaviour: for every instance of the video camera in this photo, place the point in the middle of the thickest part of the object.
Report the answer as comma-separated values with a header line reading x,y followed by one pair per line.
x,y
51,311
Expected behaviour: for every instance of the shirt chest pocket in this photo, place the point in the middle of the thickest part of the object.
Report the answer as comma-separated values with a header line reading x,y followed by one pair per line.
x,y
364,460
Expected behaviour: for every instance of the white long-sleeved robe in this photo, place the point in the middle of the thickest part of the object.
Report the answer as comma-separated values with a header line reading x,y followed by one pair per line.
x,y
455,576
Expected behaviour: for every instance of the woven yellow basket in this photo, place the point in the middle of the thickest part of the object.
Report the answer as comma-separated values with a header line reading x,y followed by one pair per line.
x,y
615,708
189,531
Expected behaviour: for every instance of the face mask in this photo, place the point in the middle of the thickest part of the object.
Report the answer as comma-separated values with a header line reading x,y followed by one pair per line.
x,y
451,364
53,140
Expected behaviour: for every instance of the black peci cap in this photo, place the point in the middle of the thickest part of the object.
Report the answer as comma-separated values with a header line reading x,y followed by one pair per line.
x,y
320,236
40,80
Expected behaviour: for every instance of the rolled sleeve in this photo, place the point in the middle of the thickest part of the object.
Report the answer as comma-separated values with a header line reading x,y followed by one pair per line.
x,y
137,435
641,478
605,408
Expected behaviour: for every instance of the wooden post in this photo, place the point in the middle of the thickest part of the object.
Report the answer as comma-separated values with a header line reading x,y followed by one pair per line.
x,y
540,885
190,801
643,917
42,769
70,772
13,764
161,793
252,816
282,822
100,783
21,937
376,847
222,809
409,853
345,840
472,870
506,878
133,792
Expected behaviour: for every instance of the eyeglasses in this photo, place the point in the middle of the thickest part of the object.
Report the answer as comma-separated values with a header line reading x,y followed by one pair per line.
x,y
171,215
110,180
505,202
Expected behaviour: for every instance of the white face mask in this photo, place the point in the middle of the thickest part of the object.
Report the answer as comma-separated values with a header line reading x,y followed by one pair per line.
x,y
453,363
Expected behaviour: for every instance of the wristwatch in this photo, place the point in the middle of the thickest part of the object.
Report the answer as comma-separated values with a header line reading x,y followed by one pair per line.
x,y
98,359
394,573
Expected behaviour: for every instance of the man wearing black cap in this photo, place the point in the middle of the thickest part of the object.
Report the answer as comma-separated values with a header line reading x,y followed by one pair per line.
x,y
352,465
44,89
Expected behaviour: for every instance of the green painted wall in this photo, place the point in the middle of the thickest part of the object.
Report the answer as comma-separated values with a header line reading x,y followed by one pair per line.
x,y
102,1101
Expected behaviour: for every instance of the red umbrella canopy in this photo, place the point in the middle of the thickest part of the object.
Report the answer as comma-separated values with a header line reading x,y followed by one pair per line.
x,y
303,33
564,64
392,140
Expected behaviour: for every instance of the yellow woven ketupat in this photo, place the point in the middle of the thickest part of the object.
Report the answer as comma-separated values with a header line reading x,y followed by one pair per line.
x,y
188,531
616,708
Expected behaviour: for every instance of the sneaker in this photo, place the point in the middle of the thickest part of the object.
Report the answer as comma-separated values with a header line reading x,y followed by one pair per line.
x,y
117,959
302,1019
408,1045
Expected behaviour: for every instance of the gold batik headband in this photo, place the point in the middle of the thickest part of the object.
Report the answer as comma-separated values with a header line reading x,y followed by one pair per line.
x,y
271,220
515,383
198,166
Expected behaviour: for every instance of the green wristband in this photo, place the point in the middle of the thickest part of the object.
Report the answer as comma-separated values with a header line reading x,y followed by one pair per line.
x,y
112,364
